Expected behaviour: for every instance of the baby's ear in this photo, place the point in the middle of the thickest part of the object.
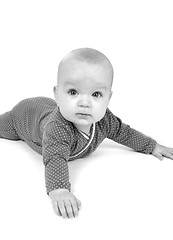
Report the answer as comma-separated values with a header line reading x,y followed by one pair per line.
x,y
55,93
110,95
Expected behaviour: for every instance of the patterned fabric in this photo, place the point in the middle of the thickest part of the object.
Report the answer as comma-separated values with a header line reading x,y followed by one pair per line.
x,y
39,123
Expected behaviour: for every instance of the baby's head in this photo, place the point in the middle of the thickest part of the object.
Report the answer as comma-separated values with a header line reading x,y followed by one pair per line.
x,y
84,86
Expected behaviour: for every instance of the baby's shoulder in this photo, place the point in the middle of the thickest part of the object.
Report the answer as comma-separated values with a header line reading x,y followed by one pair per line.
x,y
109,122
58,126
108,117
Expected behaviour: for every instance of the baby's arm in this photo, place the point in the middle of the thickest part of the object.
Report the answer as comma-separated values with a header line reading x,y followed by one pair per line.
x,y
65,204
56,152
124,134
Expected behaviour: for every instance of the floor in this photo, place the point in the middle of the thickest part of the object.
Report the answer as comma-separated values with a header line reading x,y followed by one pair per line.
x,y
123,194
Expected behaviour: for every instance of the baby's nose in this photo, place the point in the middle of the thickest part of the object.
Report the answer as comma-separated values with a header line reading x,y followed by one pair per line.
x,y
84,102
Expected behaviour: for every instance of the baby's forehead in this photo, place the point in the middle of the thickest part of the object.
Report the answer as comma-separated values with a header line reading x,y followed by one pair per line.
x,y
88,80
73,65
83,82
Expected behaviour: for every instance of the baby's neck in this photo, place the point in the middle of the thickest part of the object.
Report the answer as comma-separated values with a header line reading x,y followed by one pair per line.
x,y
84,129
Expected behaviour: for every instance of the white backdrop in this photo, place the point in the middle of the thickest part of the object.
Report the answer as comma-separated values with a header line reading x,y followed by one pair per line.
x,y
124,195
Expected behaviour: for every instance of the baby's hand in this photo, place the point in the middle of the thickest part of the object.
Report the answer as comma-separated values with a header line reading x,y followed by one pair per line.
x,y
162,151
65,203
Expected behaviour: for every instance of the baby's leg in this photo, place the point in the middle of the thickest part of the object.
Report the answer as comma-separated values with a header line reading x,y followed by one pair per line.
x,y
7,129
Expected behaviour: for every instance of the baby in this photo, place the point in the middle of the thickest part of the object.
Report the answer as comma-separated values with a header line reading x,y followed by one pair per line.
x,y
74,125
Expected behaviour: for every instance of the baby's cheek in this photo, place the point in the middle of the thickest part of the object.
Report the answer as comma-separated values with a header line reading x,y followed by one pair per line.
x,y
99,114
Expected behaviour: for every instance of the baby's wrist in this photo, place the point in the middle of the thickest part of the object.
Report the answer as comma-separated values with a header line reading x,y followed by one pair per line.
x,y
56,191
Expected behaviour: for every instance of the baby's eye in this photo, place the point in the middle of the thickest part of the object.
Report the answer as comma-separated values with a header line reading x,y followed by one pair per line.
x,y
72,92
97,94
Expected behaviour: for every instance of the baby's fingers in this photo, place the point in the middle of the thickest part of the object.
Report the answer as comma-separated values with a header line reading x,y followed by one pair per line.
x,y
56,208
169,153
71,208
62,209
158,155
75,207
68,208
78,204
171,150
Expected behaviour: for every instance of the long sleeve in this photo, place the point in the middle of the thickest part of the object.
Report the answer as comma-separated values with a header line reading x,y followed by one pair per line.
x,y
125,135
56,152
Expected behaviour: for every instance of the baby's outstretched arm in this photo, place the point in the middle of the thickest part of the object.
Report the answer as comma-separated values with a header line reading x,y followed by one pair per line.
x,y
65,204
162,151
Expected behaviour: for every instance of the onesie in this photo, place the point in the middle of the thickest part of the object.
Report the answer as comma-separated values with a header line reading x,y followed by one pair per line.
x,y
39,122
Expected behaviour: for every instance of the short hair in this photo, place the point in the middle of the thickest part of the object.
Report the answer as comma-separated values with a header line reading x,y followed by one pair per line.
x,y
88,55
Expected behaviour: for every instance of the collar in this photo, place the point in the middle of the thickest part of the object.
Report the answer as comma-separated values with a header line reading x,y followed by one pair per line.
x,y
89,142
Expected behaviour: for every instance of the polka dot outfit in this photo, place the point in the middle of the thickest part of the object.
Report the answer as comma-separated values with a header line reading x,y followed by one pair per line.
x,y
39,123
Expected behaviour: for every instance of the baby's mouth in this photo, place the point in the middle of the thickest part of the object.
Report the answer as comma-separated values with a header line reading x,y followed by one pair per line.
x,y
83,114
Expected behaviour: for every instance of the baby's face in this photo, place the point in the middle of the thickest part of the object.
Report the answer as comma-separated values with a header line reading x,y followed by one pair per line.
x,y
83,92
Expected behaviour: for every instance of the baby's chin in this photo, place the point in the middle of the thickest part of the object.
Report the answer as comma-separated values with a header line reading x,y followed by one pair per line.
x,y
82,119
